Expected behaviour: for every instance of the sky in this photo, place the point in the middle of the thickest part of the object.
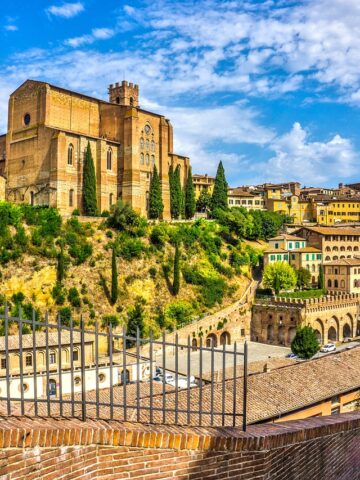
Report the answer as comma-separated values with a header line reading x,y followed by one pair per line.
x,y
271,88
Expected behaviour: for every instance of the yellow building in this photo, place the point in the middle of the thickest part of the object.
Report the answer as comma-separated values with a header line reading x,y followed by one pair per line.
x,y
203,182
298,209
337,210
238,197
343,276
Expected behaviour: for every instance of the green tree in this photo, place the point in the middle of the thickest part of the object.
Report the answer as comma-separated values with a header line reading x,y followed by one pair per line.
x,y
60,269
114,278
172,192
321,279
136,320
305,343
303,277
203,203
177,194
176,281
279,276
89,185
219,198
156,205
125,219
190,203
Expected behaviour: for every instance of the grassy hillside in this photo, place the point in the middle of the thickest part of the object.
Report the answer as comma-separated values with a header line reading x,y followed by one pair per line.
x,y
214,266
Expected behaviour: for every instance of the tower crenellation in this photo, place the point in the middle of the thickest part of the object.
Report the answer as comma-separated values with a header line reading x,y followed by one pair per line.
x,y
124,93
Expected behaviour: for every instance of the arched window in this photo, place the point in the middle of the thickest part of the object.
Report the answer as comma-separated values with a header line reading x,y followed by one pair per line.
x,y
147,159
152,160
70,154
111,196
329,283
141,143
141,159
117,100
109,159
308,267
153,146
28,360
313,268
71,198
131,102
336,284
147,145
32,198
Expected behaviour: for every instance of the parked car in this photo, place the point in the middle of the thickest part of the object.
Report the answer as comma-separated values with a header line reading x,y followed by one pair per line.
x,y
329,347
347,339
292,356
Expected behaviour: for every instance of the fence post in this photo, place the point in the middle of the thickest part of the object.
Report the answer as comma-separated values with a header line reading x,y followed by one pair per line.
x,y
83,386
8,393
245,386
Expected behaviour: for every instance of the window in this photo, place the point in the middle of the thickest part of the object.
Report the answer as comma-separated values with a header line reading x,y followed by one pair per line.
x,y
70,154
27,119
141,143
297,244
153,146
272,257
52,388
28,360
147,145
336,284
71,198
109,159
141,159
318,256
52,358
290,245
32,198
111,199
75,355
152,160
3,363
77,381
131,102
329,283
147,159
276,245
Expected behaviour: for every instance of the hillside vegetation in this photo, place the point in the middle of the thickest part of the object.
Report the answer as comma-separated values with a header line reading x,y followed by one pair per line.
x,y
65,266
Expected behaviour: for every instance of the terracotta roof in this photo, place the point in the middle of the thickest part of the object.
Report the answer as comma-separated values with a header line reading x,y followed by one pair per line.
x,y
306,250
276,250
240,192
345,262
27,341
333,230
286,236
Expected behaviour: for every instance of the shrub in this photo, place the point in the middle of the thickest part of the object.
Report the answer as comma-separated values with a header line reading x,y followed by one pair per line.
x,y
130,248
213,287
74,297
105,213
65,316
305,343
179,313
124,218
112,320
152,272
76,213
18,298
158,236
109,234
58,295
92,314
279,276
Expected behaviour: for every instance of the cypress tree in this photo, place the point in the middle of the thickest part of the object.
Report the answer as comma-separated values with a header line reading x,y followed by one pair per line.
x,y
156,205
60,270
89,185
136,320
219,196
114,278
190,203
321,280
176,281
177,193
172,191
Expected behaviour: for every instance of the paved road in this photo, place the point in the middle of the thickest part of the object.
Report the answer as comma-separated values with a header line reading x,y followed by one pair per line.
x,y
257,351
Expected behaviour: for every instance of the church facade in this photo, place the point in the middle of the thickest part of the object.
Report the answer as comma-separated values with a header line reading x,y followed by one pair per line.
x,y
42,154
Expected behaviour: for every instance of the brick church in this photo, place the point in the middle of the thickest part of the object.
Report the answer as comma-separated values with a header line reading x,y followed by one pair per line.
x,y
42,153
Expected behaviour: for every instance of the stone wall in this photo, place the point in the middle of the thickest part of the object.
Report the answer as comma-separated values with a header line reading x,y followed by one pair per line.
x,y
327,447
333,317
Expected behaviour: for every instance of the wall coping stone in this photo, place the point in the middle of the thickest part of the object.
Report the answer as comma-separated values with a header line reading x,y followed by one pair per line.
x,y
27,432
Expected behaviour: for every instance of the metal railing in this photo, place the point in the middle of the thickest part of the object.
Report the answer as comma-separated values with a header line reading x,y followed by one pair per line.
x,y
71,371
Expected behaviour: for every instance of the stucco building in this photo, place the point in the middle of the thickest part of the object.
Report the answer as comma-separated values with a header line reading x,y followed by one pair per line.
x,y
343,276
49,129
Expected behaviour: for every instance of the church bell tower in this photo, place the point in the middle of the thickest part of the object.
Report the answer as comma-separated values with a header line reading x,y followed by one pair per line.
x,y
125,94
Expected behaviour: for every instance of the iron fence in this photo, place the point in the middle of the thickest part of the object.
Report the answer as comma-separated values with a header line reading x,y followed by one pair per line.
x,y
52,369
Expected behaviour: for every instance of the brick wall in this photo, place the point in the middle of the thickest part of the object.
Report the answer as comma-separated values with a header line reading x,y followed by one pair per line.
x,y
46,449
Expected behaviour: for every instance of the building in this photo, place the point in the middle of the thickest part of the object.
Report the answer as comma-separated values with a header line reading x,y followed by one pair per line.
x,y
239,197
309,258
49,129
203,183
334,242
343,276
334,318
330,211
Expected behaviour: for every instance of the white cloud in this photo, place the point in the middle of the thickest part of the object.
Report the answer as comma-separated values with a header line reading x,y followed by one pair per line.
x,y
307,161
11,28
96,34
66,10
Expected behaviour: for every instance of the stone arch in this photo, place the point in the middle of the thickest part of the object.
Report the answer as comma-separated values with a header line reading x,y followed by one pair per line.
x,y
333,329
281,335
270,333
342,248
194,345
348,326
318,326
291,334
349,249
327,258
335,249
225,338
327,249
347,331
211,340
342,256
335,257
356,249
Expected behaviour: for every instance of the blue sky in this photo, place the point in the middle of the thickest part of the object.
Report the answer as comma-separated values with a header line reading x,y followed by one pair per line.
x,y
271,88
